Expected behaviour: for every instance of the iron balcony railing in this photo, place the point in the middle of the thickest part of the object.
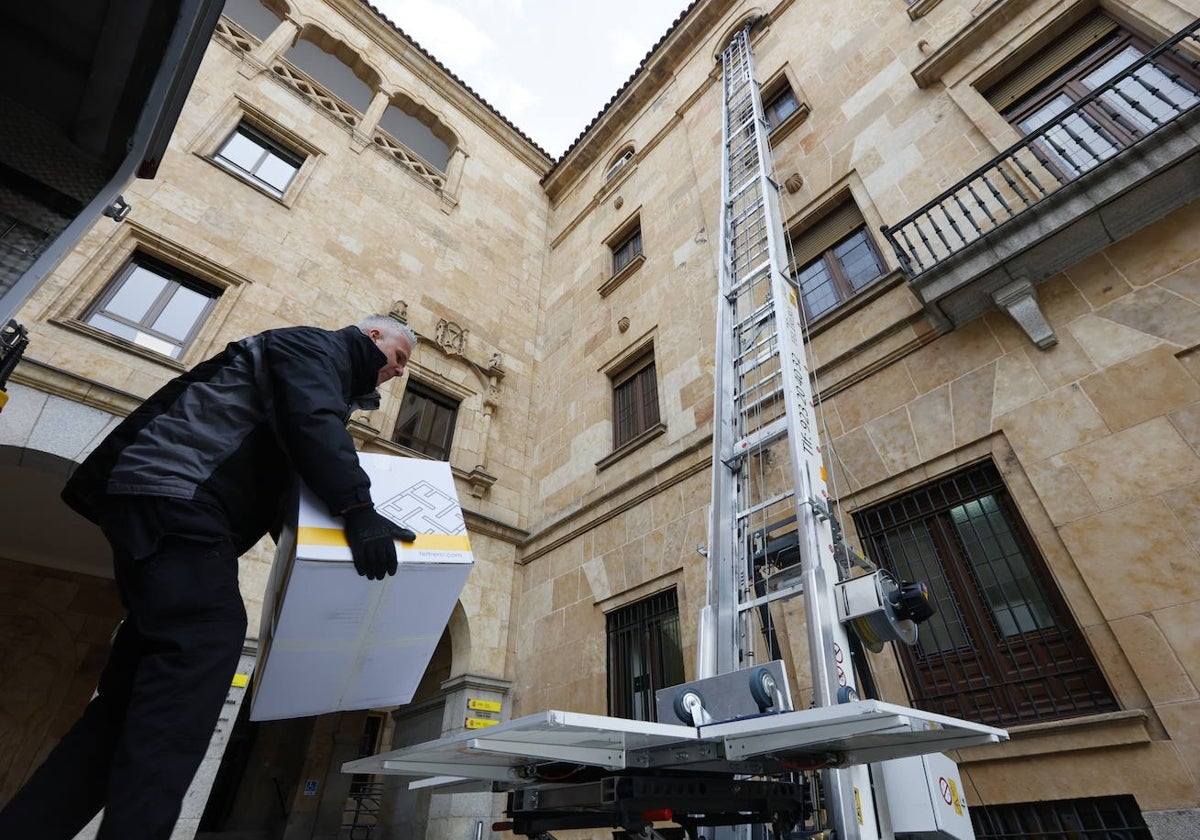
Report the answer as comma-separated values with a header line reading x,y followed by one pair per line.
x,y
1143,98
361,817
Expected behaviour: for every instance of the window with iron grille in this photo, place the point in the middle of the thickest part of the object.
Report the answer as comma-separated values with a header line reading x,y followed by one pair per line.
x,y
1045,89
1002,647
153,305
635,400
628,247
426,421
1100,818
644,655
834,259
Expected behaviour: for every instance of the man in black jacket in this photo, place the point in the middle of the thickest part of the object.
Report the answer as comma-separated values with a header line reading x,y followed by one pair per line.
x,y
181,488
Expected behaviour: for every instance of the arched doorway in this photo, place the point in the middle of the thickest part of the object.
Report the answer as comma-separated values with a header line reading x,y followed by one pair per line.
x,y
58,610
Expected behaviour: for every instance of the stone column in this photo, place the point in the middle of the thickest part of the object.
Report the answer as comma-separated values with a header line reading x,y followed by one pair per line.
x,y
455,816
283,37
366,127
454,171
481,480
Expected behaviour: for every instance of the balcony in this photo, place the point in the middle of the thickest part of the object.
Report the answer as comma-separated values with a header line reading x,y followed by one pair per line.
x,y
1091,174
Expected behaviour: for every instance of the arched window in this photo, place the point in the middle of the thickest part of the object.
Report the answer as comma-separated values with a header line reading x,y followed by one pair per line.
x,y
622,157
258,17
419,129
334,66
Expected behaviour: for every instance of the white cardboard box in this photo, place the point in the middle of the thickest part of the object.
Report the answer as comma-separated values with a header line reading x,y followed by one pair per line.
x,y
332,640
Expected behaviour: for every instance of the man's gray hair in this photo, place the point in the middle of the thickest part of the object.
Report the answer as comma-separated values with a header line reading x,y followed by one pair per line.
x,y
388,325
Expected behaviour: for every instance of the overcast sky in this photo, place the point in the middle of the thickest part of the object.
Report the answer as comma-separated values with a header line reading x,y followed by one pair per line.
x,y
549,66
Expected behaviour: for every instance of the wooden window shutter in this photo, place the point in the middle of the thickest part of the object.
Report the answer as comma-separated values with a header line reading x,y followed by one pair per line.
x,y
1049,59
826,233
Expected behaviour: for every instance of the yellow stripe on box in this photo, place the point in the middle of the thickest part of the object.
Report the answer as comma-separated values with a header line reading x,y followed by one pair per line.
x,y
337,537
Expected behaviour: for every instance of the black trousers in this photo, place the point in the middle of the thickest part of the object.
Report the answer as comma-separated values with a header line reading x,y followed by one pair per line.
x,y
140,740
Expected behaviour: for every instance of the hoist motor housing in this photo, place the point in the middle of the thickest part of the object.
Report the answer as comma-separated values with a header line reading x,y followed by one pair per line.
x,y
880,609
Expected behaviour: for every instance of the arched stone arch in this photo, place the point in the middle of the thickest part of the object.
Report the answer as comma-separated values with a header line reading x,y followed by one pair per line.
x,y
38,527
258,17
282,9
421,111
756,16
342,84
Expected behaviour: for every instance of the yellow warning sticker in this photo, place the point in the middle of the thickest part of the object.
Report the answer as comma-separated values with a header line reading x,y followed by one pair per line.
x,y
241,680
858,806
957,801
309,535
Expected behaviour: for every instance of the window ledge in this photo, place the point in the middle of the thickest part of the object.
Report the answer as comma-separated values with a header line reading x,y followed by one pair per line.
x,y
617,179
920,8
282,200
637,443
878,287
1109,729
610,285
119,343
794,120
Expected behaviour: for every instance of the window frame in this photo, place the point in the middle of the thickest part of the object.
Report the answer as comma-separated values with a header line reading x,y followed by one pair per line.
x,y
239,111
640,376
439,399
1095,818
1068,80
624,236
770,111
1044,673
619,161
631,241
841,283
781,84
268,145
639,635
176,278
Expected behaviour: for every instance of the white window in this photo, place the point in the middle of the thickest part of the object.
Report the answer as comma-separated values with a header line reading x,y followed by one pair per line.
x,y
153,305
253,156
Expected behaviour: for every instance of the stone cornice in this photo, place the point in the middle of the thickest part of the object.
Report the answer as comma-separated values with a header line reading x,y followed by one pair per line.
x,y
602,508
62,383
645,86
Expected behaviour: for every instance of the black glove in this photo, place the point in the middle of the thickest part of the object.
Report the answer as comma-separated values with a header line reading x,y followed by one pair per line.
x,y
371,536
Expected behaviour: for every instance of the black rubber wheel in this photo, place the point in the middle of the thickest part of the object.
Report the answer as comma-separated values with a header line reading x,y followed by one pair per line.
x,y
683,710
762,688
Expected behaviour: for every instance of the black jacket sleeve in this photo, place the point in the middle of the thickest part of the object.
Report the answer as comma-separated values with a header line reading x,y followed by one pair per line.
x,y
309,376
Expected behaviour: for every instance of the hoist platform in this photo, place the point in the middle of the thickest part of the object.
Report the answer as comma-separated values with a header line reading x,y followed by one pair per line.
x,y
521,751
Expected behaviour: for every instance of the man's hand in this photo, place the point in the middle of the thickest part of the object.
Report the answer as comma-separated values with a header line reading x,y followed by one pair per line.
x,y
371,536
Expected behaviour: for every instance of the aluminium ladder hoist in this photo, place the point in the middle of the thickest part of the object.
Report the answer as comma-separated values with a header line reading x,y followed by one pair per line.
x,y
730,753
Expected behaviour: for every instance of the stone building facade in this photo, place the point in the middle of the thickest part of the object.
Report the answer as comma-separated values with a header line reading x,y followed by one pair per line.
x,y
1003,324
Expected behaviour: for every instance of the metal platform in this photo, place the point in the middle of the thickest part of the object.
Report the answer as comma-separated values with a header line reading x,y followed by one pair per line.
x,y
501,753
850,733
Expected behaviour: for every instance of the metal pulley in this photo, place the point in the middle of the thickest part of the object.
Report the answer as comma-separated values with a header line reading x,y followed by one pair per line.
x,y
879,608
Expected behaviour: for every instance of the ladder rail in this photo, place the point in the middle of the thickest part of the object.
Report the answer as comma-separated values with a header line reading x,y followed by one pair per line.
x,y
761,359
